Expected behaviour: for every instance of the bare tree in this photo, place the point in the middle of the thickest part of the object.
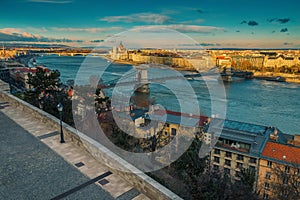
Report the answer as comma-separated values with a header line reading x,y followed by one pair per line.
x,y
287,182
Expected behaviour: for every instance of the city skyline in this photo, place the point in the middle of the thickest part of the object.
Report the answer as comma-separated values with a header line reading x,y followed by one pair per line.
x,y
212,23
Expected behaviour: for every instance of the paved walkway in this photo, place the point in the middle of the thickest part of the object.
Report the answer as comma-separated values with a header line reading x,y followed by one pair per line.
x,y
38,166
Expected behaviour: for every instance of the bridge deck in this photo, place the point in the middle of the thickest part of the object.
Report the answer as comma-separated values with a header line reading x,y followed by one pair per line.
x,y
115,82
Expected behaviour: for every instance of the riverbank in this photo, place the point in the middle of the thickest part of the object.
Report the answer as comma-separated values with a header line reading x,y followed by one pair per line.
x,y
270,104
279,77
124,62
133,63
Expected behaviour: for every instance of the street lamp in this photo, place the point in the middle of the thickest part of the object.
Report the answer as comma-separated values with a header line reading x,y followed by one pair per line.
x,y
60,109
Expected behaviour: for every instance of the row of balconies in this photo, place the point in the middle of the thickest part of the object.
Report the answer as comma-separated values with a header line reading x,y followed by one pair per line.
x,y
233,156
235,164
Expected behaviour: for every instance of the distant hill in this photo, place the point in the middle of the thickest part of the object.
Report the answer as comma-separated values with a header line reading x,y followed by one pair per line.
x,y
18,45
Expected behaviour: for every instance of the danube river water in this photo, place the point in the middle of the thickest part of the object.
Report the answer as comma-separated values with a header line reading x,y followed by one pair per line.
x,y
252,101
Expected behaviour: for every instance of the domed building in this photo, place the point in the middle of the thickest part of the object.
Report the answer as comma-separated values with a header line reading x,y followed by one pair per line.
x,y
119,53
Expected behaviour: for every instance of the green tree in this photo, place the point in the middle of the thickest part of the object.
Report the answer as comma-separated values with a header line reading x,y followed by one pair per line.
x,y
50,106
45,93
41,81
213,185
248,177
189,162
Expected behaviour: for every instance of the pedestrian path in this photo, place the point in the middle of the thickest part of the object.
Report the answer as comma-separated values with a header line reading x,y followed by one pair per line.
x,y
98,173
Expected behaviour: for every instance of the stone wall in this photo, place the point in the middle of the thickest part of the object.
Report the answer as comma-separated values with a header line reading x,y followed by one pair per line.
x,y
137,178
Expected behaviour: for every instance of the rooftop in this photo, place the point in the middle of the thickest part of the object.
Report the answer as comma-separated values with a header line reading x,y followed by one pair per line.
x,y
282,153
254,135
172,117
246,127
31,70
240,132
223,58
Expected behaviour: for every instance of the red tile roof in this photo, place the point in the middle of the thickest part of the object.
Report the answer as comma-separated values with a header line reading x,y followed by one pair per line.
x,y
223,57
282,152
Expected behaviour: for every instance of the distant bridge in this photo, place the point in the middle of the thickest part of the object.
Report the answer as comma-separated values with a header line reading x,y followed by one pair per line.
x,y
141,77
70,53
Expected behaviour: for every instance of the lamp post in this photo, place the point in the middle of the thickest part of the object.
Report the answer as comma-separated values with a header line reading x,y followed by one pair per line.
x,y
60,109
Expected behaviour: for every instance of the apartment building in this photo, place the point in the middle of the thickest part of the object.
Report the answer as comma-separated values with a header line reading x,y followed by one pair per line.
x,y
279,171
239,147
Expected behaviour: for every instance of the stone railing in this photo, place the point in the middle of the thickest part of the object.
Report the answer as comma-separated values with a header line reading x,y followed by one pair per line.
x,y
134,176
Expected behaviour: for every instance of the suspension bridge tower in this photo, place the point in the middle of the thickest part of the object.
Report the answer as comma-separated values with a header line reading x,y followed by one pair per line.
x,y
141,79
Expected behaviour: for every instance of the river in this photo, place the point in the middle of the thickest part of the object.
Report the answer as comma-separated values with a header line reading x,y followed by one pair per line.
x,y
252,101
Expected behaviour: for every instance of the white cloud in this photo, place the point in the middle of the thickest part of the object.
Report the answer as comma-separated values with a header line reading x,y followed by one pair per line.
x,y
17,32
183,28
88,30
197,21
28,35
139,17
10,31
17,35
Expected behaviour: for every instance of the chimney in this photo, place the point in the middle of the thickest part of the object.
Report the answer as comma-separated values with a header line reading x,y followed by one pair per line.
x,y
274,135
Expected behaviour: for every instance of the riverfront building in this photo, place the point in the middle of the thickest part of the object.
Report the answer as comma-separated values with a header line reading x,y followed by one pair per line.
x,y
282,63
277,61
239,146
19,76
119,53
279,171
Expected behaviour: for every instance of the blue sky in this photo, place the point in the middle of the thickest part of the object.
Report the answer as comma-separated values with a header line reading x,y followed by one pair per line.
x,y
212,23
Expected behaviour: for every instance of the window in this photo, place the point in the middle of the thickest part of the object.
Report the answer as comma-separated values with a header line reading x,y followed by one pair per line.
x,y
217,151
240,157
226,171
239,165
287,169
166,133
228,154
216,159
252,169
173,131
167,125
268,175
227,162
269,164
252,160
266,196
285,180
267,186
216,167
245,146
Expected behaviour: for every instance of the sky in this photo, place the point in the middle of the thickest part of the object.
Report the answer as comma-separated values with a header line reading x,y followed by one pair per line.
x,y
211,23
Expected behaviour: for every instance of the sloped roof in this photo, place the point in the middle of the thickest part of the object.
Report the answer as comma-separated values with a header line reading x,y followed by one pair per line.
x,y
282,153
